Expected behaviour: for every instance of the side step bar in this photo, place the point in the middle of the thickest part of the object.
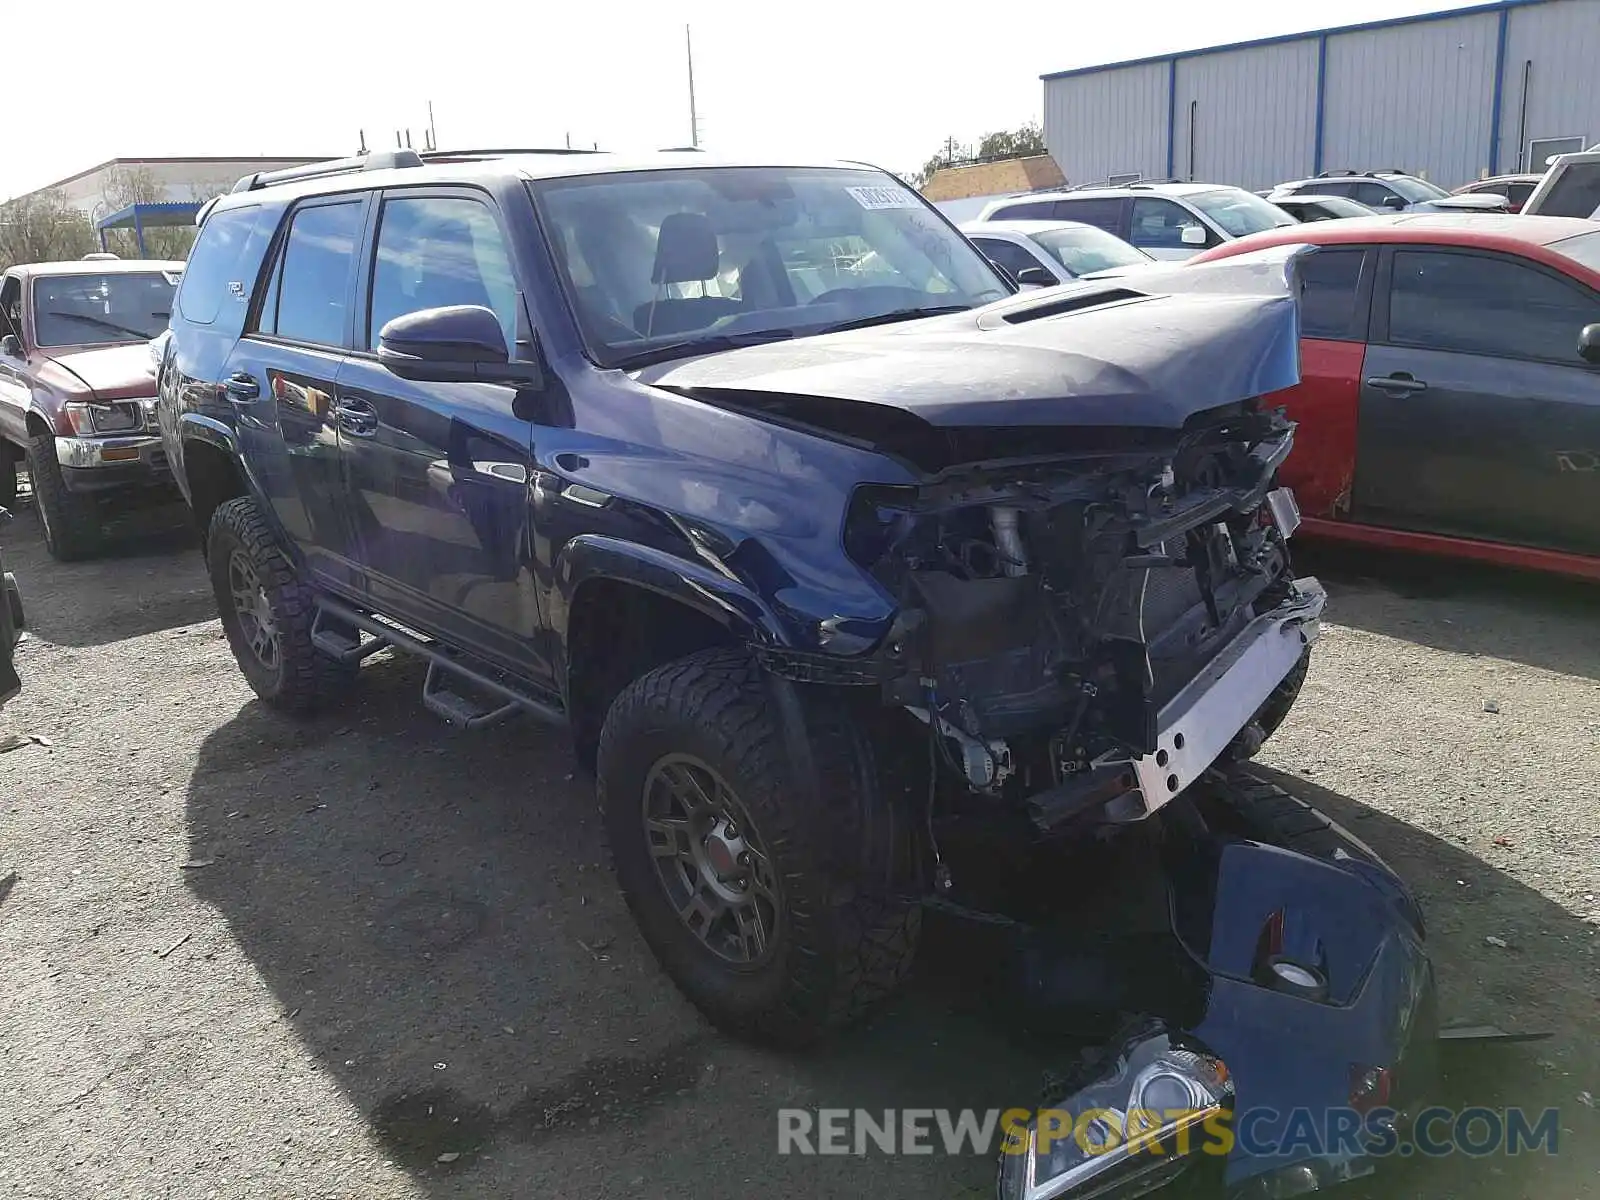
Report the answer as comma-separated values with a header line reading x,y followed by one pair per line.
x,y
443,668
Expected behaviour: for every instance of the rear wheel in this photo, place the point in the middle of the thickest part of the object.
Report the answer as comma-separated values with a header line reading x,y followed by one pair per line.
x,y
267,612
769,899
71,520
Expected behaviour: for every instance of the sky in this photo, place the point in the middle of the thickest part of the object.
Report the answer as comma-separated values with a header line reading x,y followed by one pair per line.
x,y
885,83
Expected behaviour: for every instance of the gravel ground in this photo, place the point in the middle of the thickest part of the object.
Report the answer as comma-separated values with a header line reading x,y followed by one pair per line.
x,y
248,956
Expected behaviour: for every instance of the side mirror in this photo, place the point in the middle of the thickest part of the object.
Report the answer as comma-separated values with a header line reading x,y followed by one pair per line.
x,y
1036,277
1194,235
459,344
1589,344
11,346
1392,201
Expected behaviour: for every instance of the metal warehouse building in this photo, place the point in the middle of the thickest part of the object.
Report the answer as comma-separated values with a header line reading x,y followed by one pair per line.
x,y
1450,95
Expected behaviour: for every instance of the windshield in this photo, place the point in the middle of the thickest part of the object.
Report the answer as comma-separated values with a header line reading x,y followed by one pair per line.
x,y
1239,212
90,310
1414,190
1585,249
657,262
1082,249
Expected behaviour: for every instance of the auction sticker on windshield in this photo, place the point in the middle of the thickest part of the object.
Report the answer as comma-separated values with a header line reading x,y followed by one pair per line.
x,y
884,197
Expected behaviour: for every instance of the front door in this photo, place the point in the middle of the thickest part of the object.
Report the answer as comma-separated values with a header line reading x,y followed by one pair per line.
x,y
439,473
1477,417
281,380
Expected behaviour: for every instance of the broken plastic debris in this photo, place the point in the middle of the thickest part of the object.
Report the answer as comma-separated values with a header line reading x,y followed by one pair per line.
x,y
1491,706
194,864
1585,1099
1494,941
449,1156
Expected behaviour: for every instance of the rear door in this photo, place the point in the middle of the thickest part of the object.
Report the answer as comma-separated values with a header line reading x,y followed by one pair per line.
x,y
1476,411
438,474
1158,225
282,375
1336,293
1104,212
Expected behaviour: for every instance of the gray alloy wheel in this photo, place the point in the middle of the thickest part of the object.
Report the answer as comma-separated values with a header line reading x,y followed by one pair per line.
x,y
710,860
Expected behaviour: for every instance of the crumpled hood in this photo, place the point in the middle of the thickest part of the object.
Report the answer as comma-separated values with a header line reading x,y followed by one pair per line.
x,y
110,372
1149,349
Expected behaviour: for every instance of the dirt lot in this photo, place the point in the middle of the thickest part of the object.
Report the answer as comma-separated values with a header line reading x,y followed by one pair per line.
x,y
245,956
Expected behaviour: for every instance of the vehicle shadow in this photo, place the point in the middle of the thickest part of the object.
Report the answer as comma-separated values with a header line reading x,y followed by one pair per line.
x,y
107,599
435,918
1464,608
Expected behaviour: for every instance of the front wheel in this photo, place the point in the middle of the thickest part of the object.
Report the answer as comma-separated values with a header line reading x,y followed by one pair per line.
x,y
769,899
267,612
71,520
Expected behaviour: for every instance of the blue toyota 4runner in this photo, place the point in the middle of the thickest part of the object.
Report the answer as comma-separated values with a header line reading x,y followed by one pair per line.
x,y
824,543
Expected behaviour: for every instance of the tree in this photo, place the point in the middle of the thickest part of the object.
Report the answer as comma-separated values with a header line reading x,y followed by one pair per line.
x,y
1024,142
137,185
43,227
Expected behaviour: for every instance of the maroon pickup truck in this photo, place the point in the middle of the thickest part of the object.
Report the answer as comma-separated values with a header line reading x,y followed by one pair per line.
x,y
77,391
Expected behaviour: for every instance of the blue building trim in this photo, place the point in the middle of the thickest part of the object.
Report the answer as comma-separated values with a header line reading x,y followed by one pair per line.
x,y
1172,117
1499,92
1499,6
1322,106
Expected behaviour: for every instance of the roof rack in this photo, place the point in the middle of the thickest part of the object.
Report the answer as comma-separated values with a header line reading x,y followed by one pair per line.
x,y
1339,172
378,160
501,152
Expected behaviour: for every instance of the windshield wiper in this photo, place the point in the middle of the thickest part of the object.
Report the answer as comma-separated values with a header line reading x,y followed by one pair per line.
x,y
705,345
88,320
896,314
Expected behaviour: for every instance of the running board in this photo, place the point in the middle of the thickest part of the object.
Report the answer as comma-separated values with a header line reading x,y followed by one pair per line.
x,y
342,641
444,668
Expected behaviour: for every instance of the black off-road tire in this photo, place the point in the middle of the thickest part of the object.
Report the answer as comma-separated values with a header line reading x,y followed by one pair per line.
x,y
1282,698
71,520
843,855
303,679
8,475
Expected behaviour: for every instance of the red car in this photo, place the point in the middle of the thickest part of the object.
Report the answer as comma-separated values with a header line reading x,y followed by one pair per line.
x,y
1449,400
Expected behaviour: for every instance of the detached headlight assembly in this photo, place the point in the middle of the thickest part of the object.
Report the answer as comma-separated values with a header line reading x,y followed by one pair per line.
x,y
123,416
1155,1107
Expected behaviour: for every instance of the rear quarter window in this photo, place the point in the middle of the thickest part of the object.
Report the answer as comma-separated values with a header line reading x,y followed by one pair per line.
x,y
223,266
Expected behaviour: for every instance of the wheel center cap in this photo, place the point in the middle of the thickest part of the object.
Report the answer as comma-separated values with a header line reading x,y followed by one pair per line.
x,y
722,852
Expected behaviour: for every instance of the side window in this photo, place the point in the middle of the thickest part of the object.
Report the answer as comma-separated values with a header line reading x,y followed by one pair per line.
x,y
1574,191
11,307
438,251
309,294
212,276
1481,305
1372,195
1328,187
1037,210
1102,214
1329,288
1158,224
1518,193
1008,254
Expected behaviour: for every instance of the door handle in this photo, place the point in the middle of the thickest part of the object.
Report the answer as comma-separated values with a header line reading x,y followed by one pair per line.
x,y
356,417
1398,384
241,387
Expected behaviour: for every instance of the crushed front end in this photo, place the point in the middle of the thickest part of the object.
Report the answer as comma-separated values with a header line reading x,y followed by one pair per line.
x,y
1092,632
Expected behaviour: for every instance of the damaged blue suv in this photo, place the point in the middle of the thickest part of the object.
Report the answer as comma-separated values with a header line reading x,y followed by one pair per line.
x,y
766,485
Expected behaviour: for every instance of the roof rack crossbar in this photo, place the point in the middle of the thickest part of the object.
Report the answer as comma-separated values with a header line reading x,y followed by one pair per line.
x,y
378,160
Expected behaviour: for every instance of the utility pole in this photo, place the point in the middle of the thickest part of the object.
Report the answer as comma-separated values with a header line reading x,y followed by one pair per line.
x,y
433,134
694,120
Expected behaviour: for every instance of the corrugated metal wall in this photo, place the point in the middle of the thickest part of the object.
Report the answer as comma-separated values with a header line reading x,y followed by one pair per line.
x,y
1416,94
1247,116
1562,41
1108,123
1416,97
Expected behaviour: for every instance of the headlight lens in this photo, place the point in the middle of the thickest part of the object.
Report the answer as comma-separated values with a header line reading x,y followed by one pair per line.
x,y
1137,1125
122,416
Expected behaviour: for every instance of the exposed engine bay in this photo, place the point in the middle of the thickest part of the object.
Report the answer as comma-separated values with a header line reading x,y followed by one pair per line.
x,y
1093,632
